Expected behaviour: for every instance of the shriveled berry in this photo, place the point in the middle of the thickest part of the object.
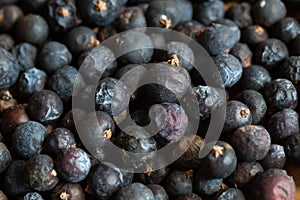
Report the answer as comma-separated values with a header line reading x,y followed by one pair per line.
x,y
33,196
291,69
9,69
283,124
287,29
6,42
28,138
273,184
73,165
25,53
270,53
251,142
40,174
275,158
280,94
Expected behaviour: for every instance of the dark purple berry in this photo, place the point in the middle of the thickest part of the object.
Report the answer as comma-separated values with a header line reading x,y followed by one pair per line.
x,y
207,186
287,29
275,158
159,192
70,191
40,174
131,18
232,194
292,146
209,11
134,191
243,53
5,157
240,14
73,165
6,42
33,196
190,28
25,53
179,183
253,35
45,106
251,143
291,69
191,196
10,14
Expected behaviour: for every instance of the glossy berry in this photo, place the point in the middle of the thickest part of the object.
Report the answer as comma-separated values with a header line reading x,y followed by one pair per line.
x,y
25,53
67,191
245,172
10,15
237,115
183,52
99,129
231,194
57,141
72,118
6,42
33,29
73,165
273,184
134,191
209,11
179,183
287,29
253,35
155,177
243,53
111,96
5,157
13,178
254,77
251,143
209,99
217,38
31,81
28,138
240,14
53,56
13,117
280,94
137,40
270,53
137,142
207,186
172,83
220,162
40,174
45,106
190,28
9,69
99,13
255,102
292,146
290,69
63,15
131,18
97,62
275,158
230,69
268,12
283,124
104,181
79,39
163,14
158,191
171,121
63,82
33,196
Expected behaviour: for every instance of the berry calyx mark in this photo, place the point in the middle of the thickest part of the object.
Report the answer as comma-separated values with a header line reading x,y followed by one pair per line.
x,y
64,196
100,6
93,42
189,173
64,12
149,170
217,151
165,22
244,113
174,61
107,134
